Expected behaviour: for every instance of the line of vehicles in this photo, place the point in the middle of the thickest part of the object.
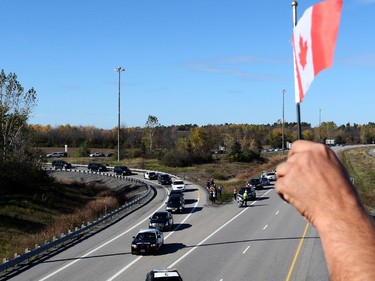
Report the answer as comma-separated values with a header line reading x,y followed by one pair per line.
x,y
65,154
151,240
265,179
92,167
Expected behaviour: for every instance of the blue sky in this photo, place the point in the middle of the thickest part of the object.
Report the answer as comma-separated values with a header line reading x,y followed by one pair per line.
x,y
187,62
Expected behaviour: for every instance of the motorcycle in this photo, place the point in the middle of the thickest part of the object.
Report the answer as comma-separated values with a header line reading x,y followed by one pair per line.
x,y
241,202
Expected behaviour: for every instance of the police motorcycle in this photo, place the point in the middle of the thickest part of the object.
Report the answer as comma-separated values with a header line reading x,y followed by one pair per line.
x,y
240,201
242,198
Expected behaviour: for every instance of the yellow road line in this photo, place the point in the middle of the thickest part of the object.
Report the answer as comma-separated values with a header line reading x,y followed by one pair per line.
x,y
297,253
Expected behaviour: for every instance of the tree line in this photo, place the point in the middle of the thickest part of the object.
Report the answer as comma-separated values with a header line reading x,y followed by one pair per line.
x,y
175,145
156,140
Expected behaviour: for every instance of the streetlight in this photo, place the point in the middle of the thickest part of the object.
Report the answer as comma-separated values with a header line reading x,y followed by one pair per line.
x,y
320,117
119,70
282,124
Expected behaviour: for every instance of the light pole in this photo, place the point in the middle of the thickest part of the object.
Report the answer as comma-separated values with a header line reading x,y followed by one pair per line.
x,y
282,124
320,117
119,70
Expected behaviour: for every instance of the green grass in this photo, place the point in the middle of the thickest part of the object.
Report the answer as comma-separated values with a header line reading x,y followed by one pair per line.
x,y
361,167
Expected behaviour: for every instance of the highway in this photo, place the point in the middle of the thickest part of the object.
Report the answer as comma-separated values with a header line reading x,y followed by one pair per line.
x,y
268,240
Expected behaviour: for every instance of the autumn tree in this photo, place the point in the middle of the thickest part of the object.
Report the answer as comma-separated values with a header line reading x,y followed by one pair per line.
x,y
17,158
151,124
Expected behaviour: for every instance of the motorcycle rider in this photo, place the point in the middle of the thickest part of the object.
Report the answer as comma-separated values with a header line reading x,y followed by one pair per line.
x,y
245,196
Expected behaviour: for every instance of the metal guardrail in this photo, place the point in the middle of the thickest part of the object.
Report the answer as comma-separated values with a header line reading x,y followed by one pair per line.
x,y
71,234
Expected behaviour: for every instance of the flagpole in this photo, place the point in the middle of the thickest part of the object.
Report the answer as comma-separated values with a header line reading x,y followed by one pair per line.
x,y
299,131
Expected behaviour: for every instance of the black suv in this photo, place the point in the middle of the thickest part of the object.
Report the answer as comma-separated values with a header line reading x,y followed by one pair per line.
x,y
96,167
256,183
147,241
61,164
164,179
175,203
122,170
161,220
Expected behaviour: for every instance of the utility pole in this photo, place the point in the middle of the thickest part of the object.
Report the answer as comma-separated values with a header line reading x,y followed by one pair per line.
x,y
119,70
282,125
320,116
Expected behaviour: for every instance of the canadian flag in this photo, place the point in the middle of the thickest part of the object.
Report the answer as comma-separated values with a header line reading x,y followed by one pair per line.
x,y
314,40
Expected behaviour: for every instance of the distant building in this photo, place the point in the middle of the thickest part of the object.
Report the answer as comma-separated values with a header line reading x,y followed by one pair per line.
x,y
330,142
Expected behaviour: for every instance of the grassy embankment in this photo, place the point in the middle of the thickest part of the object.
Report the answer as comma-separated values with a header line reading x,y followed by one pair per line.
x,y
31,217
361,167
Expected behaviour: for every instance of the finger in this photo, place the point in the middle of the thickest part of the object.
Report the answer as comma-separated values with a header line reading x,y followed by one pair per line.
x,y
302,146
279,188
282,169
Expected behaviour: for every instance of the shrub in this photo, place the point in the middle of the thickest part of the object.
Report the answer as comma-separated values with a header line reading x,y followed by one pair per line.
x,y
83,151
177,158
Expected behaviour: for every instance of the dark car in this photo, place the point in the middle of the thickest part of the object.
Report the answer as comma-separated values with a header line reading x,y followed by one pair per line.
x,y
251,194
174,192
264,181
168,274
175,203
161,220
256,183
122,170
96,167
147,241
164,179
61,164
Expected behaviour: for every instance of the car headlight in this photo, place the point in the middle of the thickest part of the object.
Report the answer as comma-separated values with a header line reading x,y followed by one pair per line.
x,y
153,245
134,246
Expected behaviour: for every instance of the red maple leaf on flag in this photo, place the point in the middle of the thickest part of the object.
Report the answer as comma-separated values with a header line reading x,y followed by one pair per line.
x,y
303,52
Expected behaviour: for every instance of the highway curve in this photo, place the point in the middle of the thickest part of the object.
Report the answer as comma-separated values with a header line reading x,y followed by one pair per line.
x,y
268,240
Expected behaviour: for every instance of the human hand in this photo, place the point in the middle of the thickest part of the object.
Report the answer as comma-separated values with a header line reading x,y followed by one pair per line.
x,y
315,183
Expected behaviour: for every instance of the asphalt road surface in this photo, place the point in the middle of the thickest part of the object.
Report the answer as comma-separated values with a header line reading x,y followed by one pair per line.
x,y
268,240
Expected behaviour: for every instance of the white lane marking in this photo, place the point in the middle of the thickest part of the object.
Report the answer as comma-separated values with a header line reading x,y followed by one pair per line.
x,y
265,226
212,234
277,213
129,265
99,247
247,248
